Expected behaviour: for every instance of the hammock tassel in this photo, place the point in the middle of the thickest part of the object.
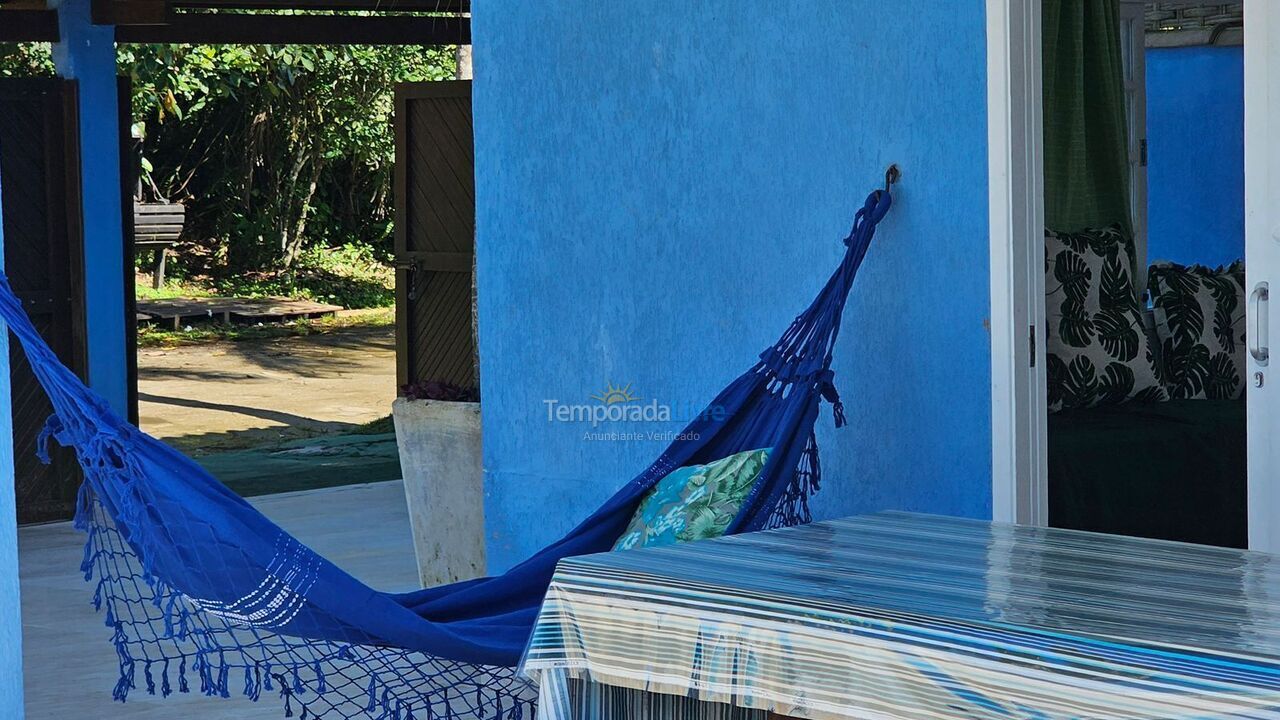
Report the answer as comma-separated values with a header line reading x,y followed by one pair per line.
x,y
183,623
127,669
170,611
86,561
83,518
224,673
827,387
53,428
386,705
165,688
200,666
125,683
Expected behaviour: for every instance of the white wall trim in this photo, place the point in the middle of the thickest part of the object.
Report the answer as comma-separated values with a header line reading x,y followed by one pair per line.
x,y
1016,184
1262,259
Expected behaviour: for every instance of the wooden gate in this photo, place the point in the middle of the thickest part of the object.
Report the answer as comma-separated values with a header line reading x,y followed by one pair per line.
x,y
435,233
39,163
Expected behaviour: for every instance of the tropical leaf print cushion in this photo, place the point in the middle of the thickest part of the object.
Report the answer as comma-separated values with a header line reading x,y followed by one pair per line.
x,y
1200,322
694,502
1097,349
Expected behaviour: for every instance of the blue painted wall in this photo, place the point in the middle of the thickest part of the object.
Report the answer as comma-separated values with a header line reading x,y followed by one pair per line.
x,y
87,54
1195,166
662,186
10,605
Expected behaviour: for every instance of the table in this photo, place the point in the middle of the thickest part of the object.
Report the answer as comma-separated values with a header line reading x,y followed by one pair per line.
x,y
898,615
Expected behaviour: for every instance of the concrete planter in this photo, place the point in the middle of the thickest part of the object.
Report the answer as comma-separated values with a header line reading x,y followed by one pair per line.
x,y
439,446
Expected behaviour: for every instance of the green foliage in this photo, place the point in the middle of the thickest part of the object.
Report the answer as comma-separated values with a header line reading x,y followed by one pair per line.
x,y
172,289
26,60
381,426
350,276
275,150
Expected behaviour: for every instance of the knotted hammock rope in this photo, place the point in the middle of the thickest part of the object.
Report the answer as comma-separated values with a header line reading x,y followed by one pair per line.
x,y
201,592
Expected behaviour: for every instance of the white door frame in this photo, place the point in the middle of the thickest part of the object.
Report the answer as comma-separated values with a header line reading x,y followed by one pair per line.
x,y
1016,181
1019,466
1262,253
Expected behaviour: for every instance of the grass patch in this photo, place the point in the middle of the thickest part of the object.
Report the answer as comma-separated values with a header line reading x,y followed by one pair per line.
x,y
350,276
170,291
381,426
153,337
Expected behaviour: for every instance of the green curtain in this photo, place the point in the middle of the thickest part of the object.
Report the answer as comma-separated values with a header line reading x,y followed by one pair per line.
x,y
1086,166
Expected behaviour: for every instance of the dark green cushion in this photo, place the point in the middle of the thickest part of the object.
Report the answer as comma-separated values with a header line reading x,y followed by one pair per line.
x,y
1172,470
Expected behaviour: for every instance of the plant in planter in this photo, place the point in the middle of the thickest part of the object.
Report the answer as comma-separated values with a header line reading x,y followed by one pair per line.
x,y
438,435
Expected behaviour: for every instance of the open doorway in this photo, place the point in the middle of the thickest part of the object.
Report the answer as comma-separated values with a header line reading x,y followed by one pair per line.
x,y
267,342
261,204
1125,413
311,395
1144,270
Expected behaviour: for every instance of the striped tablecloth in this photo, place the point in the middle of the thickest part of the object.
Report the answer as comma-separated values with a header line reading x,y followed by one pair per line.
x,y
914,616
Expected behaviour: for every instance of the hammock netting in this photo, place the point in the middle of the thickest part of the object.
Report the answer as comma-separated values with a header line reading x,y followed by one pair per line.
x,y
202,593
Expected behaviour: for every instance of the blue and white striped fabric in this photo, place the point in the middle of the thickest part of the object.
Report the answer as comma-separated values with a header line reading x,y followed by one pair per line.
x,y
920,617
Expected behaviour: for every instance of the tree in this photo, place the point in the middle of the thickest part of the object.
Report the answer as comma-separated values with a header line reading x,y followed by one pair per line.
x,y
263,141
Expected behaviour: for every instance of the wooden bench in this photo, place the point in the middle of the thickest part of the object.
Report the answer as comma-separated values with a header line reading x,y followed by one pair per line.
x,y
157,226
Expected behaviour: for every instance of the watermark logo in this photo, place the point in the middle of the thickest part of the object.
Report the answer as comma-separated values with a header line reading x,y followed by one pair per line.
x,y
613,394
616,403
619,404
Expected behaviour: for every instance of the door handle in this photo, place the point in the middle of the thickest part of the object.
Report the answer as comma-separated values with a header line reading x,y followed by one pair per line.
x,y
1258,345
411,269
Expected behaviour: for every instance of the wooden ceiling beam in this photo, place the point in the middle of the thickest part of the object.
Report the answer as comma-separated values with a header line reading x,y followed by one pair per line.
x,y
418,6
247,29
28,25
128,12
157,12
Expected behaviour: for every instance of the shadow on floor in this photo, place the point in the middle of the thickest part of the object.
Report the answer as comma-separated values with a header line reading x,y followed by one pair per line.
x,y
322,462
283,418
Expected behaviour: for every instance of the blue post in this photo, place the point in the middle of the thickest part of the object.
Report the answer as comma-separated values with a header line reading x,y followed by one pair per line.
x,y
87,54
10,605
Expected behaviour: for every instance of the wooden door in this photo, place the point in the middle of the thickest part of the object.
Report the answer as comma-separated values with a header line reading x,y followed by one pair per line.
x,y
130,167
435,234
43,257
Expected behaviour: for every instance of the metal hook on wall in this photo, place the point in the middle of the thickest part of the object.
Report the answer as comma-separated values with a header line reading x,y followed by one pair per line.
x,y
891,175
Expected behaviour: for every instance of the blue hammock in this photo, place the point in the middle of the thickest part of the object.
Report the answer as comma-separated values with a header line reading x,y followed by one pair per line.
x,y
201,589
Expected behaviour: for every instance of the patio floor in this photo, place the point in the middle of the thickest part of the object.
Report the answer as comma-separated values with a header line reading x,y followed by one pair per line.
x,y
68,663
